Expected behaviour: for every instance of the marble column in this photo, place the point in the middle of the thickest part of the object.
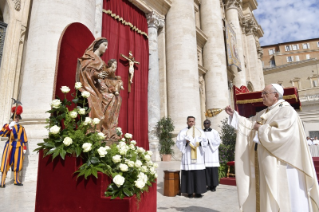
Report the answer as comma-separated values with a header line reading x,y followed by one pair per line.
x,y
98,19
260,65
154,112
182,65
232,7
214,59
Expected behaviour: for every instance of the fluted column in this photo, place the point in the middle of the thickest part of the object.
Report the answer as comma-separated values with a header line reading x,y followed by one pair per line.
x,y
154,111
214,58
232,7
260,66
182,66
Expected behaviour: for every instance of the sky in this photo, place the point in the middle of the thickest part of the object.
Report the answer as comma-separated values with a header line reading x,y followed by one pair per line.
x,y
287,20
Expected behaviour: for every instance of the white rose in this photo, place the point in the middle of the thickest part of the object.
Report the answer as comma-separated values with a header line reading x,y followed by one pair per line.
x,y
87,147
73,114
102,151
147,157
123,139
96,121
67,141
65,89
140,150
138,164
155,175
55,129
119,129
87,121
121,143
130,163
116,158
144,169
82,111
128,135
78,85
139,184
133,142
143,177
107,147
150,163
123,151
101,136
118,180
85,94
123,167
155,165
152,170
149,152
132,147
56,103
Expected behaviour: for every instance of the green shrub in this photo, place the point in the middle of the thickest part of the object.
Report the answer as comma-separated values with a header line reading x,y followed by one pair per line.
x,y
164,129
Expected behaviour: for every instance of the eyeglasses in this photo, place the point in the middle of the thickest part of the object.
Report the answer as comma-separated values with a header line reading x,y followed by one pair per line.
x,y
266,93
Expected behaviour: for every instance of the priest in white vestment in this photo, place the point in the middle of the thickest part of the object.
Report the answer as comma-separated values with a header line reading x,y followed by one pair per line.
x,y
211,156
191,141
287,178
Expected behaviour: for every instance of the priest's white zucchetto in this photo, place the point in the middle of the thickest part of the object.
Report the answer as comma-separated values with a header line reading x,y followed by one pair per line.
x,y
279,88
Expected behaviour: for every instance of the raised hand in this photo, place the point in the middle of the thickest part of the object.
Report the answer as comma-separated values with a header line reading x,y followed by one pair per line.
x,y
229,111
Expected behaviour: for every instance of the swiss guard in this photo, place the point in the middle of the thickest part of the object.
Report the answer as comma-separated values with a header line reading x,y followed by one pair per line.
x,y
15,147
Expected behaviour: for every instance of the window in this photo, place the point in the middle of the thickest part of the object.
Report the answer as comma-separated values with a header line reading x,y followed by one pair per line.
x,y
315,82
295,47
271,51
297,58
290,59
296,84
272,63
306,46
287,48
307,56
318,44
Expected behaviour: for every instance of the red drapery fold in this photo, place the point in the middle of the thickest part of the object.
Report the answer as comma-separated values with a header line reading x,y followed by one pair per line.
x,y
133,116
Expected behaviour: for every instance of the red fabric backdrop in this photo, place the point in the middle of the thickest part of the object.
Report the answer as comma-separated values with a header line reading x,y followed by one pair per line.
x,y
74,40
133,114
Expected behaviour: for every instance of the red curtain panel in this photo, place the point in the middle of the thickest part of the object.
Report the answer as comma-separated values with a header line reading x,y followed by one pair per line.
x,y
133,116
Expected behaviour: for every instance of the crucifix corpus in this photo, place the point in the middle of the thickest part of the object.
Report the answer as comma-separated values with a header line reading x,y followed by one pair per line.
x,y
131,61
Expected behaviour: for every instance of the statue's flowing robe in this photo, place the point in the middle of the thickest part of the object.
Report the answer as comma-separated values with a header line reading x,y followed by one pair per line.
x,y
192,173
287,176
211,157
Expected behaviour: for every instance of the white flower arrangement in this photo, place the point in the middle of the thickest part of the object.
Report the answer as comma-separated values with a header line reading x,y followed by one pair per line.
x,y
102,151
123,167
116,158
87,121
118,180
96,121
128,135
73,114
138,164
81,111
147,157
101,136
133,142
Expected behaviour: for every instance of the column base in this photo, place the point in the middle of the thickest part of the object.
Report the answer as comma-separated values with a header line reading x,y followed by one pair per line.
x,y
154,148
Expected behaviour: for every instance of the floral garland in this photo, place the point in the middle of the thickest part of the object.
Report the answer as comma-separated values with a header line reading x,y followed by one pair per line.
x,y
128,165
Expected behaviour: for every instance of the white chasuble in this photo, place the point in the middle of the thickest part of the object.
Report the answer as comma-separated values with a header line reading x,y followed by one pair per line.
x,y
211,150
287,176
187,163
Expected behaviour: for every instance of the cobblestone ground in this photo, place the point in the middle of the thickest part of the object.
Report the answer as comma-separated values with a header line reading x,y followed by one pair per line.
x,y
22,199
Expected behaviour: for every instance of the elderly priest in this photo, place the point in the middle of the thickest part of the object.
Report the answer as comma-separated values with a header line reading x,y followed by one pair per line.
x,y
274,168
190,141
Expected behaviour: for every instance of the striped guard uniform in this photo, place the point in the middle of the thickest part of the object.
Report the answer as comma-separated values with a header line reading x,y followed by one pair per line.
x,y
13,150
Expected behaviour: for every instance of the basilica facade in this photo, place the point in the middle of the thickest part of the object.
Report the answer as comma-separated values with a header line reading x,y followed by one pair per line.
x,y
188,67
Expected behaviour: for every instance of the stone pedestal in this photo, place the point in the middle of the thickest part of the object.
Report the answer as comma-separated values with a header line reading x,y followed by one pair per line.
x,y
182,65
214,58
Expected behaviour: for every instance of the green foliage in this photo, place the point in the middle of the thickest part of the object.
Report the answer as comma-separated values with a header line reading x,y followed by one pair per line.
x,y
164,129
64,126
227,148
222,171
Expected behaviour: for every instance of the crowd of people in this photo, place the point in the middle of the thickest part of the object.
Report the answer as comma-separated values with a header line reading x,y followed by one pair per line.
x,y
312,141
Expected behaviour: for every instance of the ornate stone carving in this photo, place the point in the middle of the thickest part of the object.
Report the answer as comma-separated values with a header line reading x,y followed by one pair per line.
x,y
233,4
259,50
202,91
154,20
249,26
17,5
22,35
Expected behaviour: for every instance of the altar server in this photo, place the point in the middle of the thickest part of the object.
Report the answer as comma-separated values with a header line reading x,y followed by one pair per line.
x,y
279,175
211,157
191,141
15,147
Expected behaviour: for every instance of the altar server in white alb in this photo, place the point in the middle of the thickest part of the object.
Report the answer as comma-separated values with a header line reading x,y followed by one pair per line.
x,y
287,179
191,141
211,157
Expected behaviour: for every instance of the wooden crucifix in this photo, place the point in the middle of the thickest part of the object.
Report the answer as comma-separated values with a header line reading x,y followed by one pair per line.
x,y
131,61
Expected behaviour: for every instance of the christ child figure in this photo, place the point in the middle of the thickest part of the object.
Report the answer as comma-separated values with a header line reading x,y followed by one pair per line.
x,y
113,82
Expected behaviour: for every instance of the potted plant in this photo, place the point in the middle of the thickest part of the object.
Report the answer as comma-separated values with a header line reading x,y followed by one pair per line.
x,y
164,129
